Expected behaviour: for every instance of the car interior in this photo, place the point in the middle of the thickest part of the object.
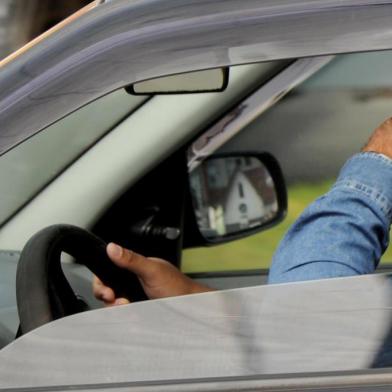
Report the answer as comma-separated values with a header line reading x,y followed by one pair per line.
x,y
146,203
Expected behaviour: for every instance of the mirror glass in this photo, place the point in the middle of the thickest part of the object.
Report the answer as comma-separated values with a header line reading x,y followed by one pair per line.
x,y
232,194
210,80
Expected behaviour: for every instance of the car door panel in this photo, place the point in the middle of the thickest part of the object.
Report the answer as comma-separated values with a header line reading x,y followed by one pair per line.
x,y
228,340
367,381
330,325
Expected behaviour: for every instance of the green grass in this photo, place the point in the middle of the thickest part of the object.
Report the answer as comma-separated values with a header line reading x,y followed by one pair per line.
x,y
256,251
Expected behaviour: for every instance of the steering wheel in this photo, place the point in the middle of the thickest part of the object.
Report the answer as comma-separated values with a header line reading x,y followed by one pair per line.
x,y
43,293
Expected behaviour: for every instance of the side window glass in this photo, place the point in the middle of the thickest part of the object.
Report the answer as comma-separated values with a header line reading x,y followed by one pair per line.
x,y
312,132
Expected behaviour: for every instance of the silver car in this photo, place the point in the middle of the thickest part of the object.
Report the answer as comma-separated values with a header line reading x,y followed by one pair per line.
x,y
130,122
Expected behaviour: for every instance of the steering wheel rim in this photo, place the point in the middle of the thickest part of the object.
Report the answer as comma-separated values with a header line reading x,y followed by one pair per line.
x,y
42,291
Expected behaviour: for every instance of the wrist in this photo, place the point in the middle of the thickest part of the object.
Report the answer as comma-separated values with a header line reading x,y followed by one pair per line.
x,y
197,288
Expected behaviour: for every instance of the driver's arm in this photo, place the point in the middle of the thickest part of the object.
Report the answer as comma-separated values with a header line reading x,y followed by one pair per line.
x,y
346,231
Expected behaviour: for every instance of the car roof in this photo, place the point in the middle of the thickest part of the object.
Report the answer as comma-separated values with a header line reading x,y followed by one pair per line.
x,y
119,42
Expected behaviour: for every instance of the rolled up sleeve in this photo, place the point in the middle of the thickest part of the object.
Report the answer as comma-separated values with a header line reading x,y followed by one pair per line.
x,y
344,232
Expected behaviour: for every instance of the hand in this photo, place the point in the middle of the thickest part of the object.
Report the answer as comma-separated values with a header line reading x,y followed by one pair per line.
x,y
381,140
158,277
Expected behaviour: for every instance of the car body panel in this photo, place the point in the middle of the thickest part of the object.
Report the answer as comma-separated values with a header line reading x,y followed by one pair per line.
x,y
335,325
332,325
145,39
370,381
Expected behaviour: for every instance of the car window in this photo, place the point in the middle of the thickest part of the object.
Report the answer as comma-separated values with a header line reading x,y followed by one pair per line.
x,y
312,131
28,167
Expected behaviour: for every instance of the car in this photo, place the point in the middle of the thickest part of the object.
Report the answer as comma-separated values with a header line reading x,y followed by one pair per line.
x,y
84,147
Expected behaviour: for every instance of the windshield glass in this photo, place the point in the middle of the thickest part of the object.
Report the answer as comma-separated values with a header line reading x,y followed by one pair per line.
x,y
26,169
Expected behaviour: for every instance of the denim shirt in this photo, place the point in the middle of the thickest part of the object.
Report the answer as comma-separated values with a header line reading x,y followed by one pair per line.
x,y
344,232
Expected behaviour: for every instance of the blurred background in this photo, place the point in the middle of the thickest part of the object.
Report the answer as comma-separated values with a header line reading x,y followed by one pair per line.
x,y
23,20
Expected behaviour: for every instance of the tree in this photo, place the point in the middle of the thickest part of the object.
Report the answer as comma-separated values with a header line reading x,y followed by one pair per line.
x,y
22,20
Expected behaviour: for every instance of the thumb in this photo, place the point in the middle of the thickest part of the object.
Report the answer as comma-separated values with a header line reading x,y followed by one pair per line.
x,y
130,260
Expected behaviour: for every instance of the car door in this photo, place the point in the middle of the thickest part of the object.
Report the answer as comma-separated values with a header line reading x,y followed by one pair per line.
x,y
313,333
247,42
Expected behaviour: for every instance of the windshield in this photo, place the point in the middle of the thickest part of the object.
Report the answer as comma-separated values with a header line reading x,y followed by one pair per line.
x,y
26,169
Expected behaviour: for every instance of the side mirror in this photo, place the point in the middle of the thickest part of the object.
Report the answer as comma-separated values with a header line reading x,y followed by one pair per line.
x,y
235,195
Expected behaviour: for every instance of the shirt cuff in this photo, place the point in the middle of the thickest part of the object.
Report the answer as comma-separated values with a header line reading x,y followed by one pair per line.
x,y
370,174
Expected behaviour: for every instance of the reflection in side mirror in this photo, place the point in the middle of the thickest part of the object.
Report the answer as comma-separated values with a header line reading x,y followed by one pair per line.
x,y
209,80
234,195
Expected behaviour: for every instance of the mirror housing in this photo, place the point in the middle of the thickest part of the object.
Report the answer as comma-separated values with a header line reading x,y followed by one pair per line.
x,y
206,81
236,195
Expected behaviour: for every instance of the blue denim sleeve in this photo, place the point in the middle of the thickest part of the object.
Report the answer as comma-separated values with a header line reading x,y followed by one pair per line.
x,y
344,232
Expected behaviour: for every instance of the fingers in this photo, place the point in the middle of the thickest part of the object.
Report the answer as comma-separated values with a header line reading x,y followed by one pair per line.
x,y
121,301
132,261
123,258
106,294
117,302
102,292
158,277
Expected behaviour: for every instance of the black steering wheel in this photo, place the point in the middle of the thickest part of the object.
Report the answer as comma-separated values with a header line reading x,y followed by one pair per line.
x,y
43,293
